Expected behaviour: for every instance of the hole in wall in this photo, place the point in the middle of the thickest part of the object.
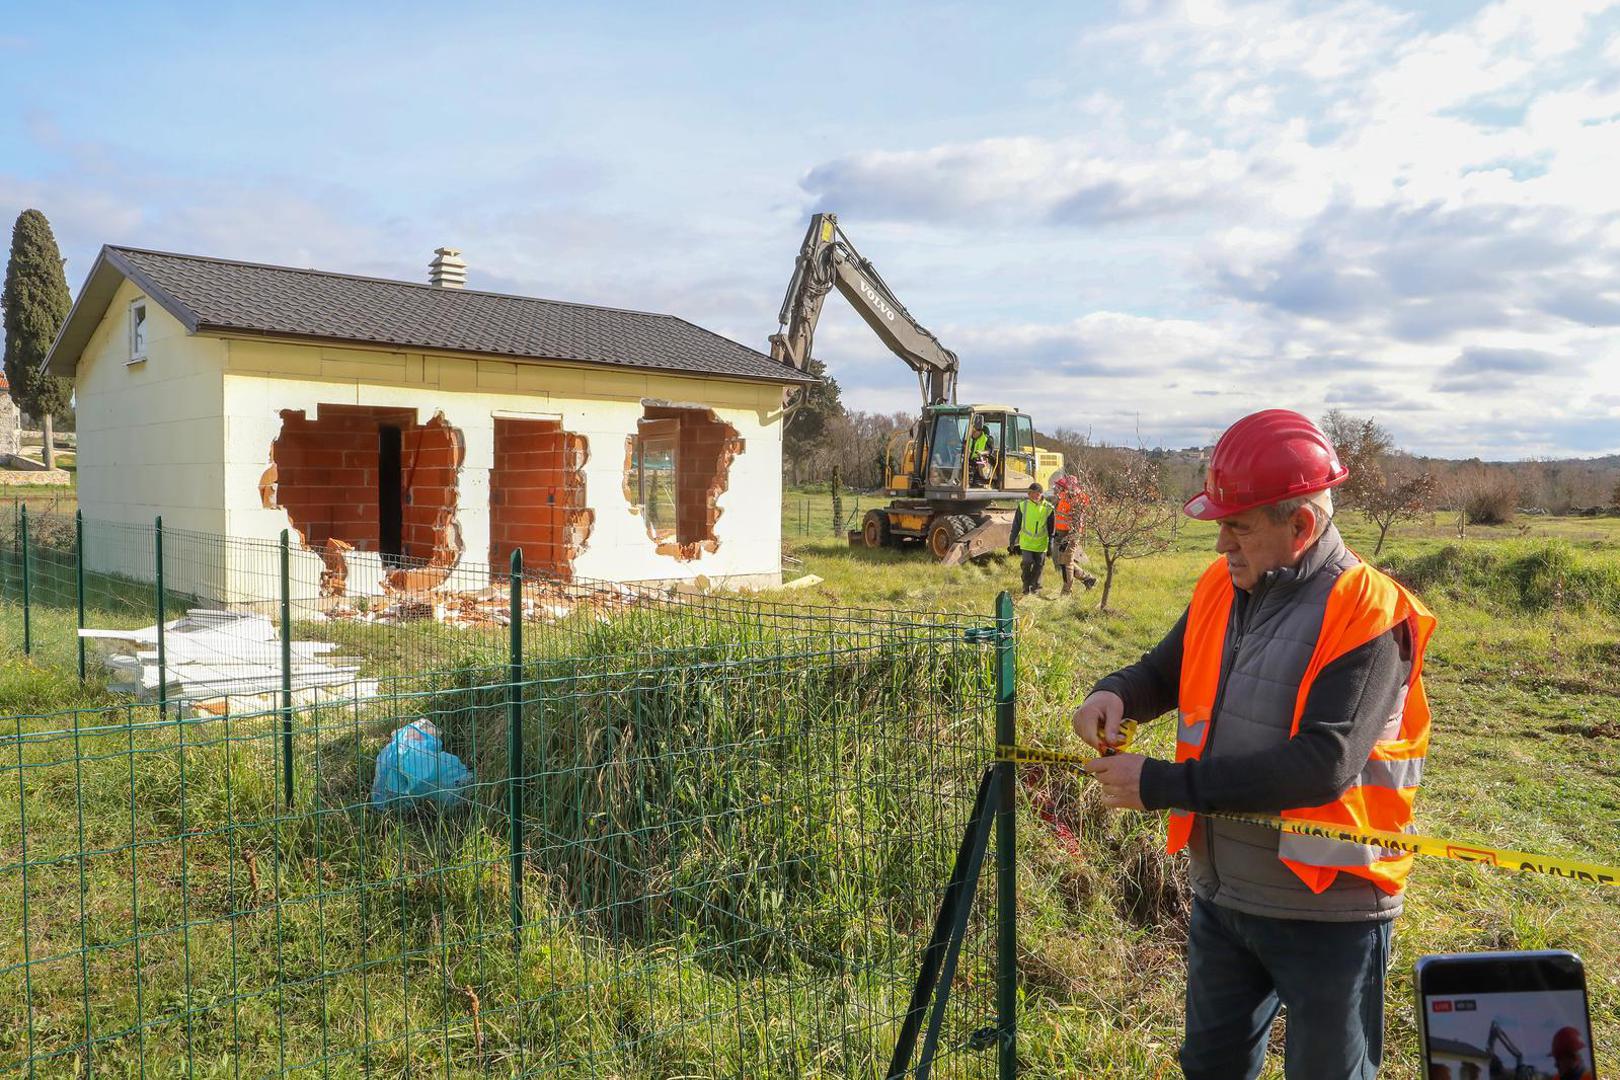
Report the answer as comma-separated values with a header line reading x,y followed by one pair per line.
x,y
369,478
537,496
677,465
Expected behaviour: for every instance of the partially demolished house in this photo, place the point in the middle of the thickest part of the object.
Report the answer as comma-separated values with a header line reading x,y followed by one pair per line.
x,y
392,424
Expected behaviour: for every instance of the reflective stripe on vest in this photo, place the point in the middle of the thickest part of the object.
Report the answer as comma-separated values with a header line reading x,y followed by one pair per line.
x,y
1325,851
1191,732
1363,604
1032,530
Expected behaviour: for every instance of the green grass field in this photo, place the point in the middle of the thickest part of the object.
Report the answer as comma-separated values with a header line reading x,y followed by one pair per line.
x,y
1524,680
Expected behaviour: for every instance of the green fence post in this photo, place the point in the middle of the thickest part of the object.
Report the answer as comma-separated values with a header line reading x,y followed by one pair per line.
x,y
286,670
163,659
28,623
1006,841
78,579
514,745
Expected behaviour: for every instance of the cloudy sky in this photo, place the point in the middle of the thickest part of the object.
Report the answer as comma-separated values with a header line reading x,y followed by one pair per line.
x,y
1141,220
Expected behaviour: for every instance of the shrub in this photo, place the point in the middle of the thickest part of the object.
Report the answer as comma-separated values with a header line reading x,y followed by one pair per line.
x,y
1513,577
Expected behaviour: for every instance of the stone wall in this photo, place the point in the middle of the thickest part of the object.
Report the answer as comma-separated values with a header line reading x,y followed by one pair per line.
x,y
10,426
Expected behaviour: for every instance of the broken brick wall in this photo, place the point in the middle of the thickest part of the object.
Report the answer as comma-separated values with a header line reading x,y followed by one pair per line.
x,y
537,495
324,473
431,456
705,448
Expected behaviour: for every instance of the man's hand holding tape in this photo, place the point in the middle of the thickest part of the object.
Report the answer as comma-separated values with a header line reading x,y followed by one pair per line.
x,y
1098,721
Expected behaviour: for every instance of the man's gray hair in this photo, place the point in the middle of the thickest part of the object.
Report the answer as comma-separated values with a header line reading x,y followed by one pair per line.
x,y
1319,501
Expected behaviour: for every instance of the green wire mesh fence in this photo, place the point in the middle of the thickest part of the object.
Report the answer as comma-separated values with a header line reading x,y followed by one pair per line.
x,y
703,835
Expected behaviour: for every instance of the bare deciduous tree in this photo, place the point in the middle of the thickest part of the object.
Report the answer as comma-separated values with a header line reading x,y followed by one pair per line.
x,y
1128,517
1363,447
1383,485
1400,490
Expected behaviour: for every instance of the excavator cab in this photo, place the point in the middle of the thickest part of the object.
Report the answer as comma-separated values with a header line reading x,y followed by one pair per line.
x,y
971,452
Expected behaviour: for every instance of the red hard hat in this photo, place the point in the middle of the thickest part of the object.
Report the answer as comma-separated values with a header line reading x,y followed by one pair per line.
x,y
1567,1041
1266,457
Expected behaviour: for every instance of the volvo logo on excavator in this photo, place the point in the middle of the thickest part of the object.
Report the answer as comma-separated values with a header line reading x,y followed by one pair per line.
x,y
877,301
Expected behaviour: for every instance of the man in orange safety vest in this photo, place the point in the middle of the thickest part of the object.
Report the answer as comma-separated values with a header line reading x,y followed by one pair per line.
x,y
1067,518
1296,673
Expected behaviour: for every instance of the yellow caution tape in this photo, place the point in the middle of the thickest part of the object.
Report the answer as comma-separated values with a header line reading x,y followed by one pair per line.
x,y
1411,843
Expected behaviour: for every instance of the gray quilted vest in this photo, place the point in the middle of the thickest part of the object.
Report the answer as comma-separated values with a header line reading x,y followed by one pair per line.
x,y
1234,864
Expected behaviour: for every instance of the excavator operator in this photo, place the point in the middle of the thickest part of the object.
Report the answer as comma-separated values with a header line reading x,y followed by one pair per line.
x,y
981,455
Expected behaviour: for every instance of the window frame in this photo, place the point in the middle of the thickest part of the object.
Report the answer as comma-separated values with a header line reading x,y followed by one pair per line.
x,y
1025,428
138,329
664,436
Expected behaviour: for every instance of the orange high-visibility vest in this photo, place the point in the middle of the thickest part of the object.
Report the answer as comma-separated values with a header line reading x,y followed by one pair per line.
x,y
1364,603
1068,511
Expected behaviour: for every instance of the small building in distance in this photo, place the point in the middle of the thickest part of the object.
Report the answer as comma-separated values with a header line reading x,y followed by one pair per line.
x,y
393,424
10,422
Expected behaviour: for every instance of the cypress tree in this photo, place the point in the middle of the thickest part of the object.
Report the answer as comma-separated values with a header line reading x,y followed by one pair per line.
x,y
35,302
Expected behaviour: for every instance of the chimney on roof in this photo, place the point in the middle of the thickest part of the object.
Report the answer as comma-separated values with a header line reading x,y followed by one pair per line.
x,y
447,270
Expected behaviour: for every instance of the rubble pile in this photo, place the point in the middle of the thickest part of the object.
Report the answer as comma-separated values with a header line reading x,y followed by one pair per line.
x,y
543,601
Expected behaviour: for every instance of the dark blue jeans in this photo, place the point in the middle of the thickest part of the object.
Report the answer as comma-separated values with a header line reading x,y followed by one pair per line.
x,y
1242,968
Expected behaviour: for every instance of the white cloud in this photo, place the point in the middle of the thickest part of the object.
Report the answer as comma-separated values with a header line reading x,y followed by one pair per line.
x,y
1381,214
1061,181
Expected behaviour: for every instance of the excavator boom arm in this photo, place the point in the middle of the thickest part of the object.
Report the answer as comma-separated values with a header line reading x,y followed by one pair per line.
x,y
827,260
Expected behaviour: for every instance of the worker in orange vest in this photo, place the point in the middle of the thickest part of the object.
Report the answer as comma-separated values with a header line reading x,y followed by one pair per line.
x,y
1296,673
1066,521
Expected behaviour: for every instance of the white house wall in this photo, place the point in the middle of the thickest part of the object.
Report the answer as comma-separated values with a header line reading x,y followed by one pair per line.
x,y
149,435
602,405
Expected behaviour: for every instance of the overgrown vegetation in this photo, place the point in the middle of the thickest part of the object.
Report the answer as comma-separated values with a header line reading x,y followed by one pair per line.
x,y
834,787
736,823
1523,679
1512,577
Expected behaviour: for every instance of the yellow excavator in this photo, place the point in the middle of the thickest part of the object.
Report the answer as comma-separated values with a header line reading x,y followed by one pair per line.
x,y
951,475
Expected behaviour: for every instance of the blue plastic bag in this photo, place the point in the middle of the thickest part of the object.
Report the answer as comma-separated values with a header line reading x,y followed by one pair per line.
x,y
415,766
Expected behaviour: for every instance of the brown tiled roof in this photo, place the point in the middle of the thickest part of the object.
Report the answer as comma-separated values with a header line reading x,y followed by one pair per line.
x,y
225,296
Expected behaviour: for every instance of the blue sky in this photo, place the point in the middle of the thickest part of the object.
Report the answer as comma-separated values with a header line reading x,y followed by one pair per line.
x,y
1141,220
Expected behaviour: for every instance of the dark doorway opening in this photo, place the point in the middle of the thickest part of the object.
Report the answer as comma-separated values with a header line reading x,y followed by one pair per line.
x,y
390,496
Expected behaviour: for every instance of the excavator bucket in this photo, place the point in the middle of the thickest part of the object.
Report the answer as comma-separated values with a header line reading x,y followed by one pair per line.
x,y
990,535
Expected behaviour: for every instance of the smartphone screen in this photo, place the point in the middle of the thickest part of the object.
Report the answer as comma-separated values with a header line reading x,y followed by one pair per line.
x,y
1505,1016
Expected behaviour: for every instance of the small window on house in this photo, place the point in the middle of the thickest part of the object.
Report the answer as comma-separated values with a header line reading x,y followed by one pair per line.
x,y
652,474
137,331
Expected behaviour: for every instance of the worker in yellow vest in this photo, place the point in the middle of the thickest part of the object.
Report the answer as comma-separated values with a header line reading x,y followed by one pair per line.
x,y
1067,517
1297,676
1032,534
981,455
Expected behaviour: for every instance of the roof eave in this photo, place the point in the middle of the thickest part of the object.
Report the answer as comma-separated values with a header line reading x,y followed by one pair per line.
x,y
95,296
789,378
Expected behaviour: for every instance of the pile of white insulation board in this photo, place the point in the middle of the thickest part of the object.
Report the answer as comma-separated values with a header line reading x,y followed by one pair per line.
x,y
222,661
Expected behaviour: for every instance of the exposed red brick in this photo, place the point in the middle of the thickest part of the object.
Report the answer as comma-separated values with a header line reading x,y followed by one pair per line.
x,y
537,495
705,447
325,477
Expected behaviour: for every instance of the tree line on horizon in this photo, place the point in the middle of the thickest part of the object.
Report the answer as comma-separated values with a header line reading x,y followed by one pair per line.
x,y
1387,483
